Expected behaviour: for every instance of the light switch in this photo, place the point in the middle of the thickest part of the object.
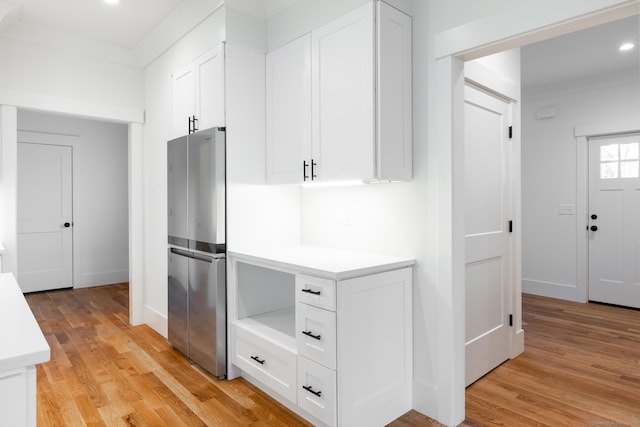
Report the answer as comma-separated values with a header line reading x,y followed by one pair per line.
x,y
566,209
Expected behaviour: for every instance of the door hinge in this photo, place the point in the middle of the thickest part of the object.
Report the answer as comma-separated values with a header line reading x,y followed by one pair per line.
x,y
511,320
510,226
510,132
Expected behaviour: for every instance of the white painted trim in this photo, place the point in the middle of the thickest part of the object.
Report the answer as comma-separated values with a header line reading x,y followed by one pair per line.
x,y
449,131
590,130
100,279
136,226
480,75
582,206
527,22
515,201
550,289
72,106
9,188
156,321
425,396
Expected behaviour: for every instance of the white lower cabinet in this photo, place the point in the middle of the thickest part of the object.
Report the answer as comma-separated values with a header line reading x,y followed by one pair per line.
x,y
316,334
335,345
317,390
18,397
272,364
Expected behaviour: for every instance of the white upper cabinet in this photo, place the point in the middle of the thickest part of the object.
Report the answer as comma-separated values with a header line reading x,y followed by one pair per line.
x,y
198,92
288,111
360,104
394,103
343,90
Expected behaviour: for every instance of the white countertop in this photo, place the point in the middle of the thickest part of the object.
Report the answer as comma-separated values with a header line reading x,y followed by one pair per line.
x,y
324,262
21,340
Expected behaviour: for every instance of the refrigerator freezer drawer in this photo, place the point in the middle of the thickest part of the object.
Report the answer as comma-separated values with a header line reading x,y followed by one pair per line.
x,y
197,308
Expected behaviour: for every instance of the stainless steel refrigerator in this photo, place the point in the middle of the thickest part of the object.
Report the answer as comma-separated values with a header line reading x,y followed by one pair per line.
x,y
197,248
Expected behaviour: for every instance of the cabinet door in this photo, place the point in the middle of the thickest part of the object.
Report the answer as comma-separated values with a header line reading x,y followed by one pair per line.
x,y
184,100
393,103
289,111
343,97
209,89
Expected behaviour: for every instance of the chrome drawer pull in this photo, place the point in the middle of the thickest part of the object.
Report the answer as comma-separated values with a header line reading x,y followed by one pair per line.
x,y
309,291
257,359
312,391
310,334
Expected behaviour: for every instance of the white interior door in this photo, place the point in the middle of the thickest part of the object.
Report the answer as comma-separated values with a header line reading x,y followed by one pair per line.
x,y
614,220
488,282
44,217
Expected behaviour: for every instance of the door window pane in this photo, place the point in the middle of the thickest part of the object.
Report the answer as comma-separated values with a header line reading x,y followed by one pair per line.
x,y
609,170
629,169
629,151
609,152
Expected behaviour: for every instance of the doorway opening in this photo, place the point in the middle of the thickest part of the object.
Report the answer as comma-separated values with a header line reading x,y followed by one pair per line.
x,y
87,161
449,130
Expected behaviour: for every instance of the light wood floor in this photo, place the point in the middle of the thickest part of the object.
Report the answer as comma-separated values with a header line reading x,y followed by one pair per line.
x,y
581,367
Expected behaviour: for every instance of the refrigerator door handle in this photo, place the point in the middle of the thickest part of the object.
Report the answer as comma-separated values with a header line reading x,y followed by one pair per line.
x,y
181,252
202,258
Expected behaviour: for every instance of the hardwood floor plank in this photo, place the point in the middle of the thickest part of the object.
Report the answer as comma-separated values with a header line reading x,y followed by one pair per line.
x,y
581,367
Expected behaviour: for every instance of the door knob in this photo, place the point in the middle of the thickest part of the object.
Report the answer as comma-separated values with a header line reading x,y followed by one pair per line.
x,y
594,216
67,224
594,228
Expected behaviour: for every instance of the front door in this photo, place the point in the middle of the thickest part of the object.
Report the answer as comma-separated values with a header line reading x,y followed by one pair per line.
x,y
488,282
44,217
614,220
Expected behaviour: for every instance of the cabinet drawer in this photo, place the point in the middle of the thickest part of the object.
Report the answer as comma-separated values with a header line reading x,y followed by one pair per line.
x,y
273,365
316,334
316,291
317,390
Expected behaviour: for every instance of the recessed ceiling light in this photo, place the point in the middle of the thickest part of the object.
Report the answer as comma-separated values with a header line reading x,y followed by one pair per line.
x,y
112,1
626,46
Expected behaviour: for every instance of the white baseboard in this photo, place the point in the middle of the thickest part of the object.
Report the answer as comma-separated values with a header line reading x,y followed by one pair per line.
x,y
103,278
156,321
550,289
425,398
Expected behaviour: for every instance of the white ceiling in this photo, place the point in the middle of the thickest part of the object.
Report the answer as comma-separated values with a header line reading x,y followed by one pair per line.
x,y
586,57
123,25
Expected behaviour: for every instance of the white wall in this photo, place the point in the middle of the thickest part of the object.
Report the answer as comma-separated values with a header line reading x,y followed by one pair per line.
x,y
549,180
100,203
